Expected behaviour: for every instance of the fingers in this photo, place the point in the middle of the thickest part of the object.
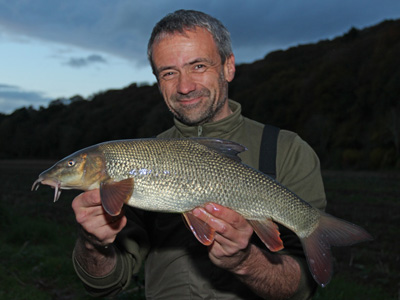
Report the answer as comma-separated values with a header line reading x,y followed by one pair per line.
x,y
105,231
89,213
231,243
233,231
87,205
228,223
229,215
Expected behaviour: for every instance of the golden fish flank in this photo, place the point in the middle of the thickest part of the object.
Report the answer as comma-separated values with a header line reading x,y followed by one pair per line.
x,y
178,175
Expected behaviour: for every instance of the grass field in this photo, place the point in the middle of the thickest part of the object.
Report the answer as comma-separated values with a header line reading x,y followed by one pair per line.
x,y
37,237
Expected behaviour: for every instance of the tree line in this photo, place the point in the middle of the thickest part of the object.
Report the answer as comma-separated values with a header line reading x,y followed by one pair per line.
x,y
340,95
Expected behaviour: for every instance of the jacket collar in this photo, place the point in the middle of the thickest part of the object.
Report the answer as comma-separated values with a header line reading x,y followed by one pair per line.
x,y
218,129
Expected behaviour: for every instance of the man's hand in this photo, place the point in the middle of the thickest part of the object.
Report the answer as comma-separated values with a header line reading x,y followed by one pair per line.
x,y
269,275
231,245
94,250
101,228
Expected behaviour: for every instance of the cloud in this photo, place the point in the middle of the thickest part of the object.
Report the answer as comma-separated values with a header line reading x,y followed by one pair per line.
x,y
119,27
13,97
122,27
78,62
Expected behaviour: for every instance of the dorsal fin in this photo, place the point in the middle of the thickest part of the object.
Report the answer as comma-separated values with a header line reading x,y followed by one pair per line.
x,y
228,148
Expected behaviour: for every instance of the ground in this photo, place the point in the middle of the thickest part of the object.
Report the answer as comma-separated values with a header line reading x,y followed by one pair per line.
x,y
38,236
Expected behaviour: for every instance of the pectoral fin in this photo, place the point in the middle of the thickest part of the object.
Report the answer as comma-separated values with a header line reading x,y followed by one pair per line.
x,y
114,194
201,230
269,233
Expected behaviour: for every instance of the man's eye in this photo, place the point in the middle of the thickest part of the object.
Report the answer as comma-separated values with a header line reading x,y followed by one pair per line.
x,y
199,67
167,75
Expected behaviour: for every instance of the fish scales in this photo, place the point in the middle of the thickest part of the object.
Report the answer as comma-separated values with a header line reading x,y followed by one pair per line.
x,y
178,175
175,176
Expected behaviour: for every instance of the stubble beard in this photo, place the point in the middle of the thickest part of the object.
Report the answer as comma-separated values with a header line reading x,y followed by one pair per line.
x,y
206,114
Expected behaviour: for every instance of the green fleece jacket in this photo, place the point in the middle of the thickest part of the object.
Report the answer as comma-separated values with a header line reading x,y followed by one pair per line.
x,y
176,264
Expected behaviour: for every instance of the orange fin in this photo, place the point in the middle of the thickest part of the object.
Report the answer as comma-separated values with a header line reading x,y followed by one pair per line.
x,y
330,232
269,233
201,230
114,194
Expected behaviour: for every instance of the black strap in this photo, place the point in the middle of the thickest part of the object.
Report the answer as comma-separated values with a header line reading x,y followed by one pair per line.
x,y
269,141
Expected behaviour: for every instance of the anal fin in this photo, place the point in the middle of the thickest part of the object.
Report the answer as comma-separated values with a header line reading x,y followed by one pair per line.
x,y
201,230
114,194
269,233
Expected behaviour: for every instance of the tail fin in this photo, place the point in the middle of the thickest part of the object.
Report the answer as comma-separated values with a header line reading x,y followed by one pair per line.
x,y
330,232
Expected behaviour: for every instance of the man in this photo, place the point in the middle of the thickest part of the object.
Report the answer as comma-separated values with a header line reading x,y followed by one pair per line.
x,y
191,57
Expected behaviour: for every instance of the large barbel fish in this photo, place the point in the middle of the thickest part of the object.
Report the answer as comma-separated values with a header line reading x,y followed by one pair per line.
x,y
178,175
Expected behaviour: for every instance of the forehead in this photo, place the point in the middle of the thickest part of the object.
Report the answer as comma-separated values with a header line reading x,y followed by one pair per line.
x,y
179,48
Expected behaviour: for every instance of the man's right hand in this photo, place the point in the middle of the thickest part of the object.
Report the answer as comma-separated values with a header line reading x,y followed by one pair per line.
x,y
101,228
94,250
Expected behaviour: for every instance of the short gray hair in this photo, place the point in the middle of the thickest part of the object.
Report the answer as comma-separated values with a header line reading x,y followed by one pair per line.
x,y
182,20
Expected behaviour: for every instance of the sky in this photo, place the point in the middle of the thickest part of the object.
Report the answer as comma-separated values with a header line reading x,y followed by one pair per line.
x,y
55,49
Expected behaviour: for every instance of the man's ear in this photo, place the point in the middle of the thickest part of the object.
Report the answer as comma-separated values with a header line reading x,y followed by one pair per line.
x,y
229,68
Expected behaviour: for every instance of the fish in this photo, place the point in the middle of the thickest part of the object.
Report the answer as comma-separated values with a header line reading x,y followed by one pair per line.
x,y
179,175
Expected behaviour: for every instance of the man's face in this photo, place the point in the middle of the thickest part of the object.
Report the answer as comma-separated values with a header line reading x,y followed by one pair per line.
x,y
191,78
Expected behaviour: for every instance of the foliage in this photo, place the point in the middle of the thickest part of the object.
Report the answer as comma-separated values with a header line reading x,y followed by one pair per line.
x,y
340,95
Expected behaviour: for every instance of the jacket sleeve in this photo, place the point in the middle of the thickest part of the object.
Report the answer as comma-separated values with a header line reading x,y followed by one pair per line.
x,y
298,168
132,246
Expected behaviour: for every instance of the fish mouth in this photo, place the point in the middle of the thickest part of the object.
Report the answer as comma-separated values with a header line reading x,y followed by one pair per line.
x,y
56,185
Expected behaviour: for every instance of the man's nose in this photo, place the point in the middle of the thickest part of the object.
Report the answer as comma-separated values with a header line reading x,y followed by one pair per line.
x,y
185,84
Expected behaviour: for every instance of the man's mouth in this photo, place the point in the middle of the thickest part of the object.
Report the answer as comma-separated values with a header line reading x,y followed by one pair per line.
x,y
189,101
192,98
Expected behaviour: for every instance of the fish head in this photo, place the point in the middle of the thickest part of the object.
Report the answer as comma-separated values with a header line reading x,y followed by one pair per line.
x,y
82,170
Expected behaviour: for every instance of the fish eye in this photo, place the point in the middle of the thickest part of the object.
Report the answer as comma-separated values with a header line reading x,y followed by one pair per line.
x,y
71,163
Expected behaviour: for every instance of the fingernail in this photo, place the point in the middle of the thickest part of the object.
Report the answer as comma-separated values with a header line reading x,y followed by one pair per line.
x,y
196,212
211,207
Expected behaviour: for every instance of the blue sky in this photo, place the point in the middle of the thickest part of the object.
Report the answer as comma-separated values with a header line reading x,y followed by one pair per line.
x,y
53,49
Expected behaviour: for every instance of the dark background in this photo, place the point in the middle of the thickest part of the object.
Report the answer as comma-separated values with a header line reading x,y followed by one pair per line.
x,y
340,95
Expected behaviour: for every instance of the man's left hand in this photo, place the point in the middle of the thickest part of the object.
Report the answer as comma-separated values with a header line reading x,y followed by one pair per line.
x,y
231,244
